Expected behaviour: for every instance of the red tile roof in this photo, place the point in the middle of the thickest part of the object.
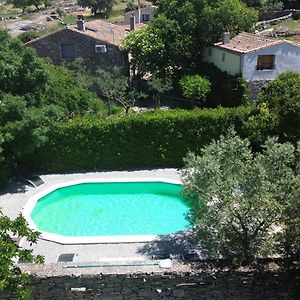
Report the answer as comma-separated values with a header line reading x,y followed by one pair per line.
x,y
101,30
246,42
105,31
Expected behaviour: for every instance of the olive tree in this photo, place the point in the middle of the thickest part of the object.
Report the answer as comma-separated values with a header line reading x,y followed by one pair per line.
x,y
11,277
237,196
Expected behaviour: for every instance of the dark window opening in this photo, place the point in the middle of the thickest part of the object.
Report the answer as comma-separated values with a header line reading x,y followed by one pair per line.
x,y
68,51
265,62
223,56
146,17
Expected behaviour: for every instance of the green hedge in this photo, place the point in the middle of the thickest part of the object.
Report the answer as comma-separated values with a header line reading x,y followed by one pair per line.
x,y
4,173
157,139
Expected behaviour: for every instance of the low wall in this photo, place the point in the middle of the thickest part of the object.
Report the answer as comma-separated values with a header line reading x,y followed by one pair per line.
x,y
223,285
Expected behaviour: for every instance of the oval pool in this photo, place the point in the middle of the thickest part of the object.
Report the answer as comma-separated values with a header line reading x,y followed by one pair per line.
x,y
112,209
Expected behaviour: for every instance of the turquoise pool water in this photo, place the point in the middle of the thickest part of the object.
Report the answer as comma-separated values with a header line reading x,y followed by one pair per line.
x,y
115,208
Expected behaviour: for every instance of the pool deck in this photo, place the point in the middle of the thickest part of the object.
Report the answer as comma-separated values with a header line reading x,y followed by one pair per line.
x,y
17,195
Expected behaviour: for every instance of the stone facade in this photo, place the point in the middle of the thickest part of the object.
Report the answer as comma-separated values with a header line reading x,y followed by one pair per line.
x,y
255,87
222,285
84,47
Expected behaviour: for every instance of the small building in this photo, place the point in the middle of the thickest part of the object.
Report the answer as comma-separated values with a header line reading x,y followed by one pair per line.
x,y
96,42
142,15
258,59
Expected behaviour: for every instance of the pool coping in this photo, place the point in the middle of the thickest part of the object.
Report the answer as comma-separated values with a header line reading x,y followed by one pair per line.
x,y
68,240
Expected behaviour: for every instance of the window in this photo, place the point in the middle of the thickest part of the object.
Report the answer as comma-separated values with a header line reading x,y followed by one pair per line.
x,y
209,51
68,51
265,62
223,56
146,17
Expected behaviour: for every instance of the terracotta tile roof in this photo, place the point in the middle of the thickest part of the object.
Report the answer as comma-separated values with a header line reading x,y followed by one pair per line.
x,y
105,31
247,42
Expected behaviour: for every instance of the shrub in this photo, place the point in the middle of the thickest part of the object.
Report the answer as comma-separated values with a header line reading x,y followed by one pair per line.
x,y
157,139
29,35
277,111
226,90
237,196
130,6
195,87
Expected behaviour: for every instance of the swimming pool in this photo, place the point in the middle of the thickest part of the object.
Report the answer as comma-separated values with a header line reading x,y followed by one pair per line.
x,y
110,211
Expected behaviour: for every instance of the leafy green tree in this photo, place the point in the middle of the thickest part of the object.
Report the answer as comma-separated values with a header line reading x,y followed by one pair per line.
x,y
195,87
253,3
278,110
176,37
271,5
11,277
290,235
157,87
23,4
147,50
237,196
34,96
113,86
98,6
21,71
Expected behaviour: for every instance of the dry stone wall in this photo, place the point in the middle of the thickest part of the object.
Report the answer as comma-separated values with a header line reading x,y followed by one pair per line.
x,y
224,285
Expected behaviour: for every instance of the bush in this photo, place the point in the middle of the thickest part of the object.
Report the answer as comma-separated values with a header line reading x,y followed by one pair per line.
x,y
130,6
296,15
226,90
158,139
237,197
29,35
277,111
195,87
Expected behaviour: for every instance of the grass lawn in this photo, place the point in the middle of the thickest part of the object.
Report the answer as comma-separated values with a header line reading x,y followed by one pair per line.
x,y
291,25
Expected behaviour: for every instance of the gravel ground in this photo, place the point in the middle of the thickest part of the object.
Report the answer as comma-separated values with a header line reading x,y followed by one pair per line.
x,y
16,195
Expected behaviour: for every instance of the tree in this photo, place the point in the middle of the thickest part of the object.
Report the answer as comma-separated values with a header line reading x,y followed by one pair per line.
x,y
176,37
21,71
277,110
98,6
195,87
34,96
237,196
113,86
157,87
11,277
23,4
271,5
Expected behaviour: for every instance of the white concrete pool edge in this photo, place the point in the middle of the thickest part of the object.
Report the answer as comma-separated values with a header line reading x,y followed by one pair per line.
x,y
68,240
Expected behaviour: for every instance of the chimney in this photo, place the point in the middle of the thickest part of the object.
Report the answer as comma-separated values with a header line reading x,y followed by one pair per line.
x,y
226,37
80,23
132,22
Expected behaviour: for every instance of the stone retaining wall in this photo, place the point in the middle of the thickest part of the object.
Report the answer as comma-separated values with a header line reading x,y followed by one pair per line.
x,y
224,285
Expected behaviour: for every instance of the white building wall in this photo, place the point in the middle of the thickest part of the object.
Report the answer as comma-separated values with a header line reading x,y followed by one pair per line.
x,y
149,10
231,63
287,58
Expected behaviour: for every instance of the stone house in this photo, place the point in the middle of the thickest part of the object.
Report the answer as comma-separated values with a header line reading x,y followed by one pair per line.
x,y
96,42
142,15
258,59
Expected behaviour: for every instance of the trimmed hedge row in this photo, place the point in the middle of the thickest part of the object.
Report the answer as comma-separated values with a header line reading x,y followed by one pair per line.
x,y
151,140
